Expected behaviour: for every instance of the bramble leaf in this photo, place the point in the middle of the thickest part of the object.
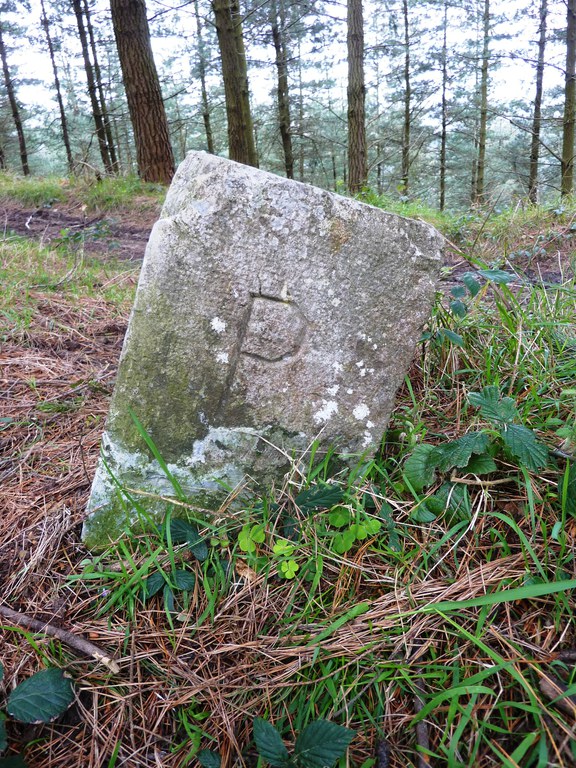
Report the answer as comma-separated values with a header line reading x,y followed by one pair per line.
x,y
471,283
269,744
152,585
419,469
498,276
3,737
209,759
321,496
41,697
184,580
457,453
321,744
481,465
523,444
492,406
183,532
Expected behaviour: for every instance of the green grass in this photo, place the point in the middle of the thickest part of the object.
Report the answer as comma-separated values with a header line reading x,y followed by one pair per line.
x,y
447,615
106,194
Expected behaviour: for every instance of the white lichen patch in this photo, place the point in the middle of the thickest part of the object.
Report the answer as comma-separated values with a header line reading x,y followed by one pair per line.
x,y
361,411
333,391
222,357
367,438
328,409
218,325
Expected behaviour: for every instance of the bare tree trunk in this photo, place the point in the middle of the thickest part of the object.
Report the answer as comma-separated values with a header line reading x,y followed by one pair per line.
x,y
478,194
63,120
147,114
444,109
203,89
357,150
567,181
14,107
92,91
241,144
537,116
405,174
101,97
279,40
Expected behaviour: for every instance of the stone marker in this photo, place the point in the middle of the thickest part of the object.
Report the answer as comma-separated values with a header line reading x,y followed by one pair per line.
x,y
268,314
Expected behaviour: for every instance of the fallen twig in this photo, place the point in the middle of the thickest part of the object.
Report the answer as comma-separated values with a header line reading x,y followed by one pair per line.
x,y
74,641
555,690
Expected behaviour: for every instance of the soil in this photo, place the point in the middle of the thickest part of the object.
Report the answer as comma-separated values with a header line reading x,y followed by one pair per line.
x,y
120,234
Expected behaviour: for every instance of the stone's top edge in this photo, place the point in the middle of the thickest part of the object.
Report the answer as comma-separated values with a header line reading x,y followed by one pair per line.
x,y
202,163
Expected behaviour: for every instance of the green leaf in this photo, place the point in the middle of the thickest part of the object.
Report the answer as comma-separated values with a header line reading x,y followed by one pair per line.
x,y
13,761
471,283
458,308
451,336
419,468
1,672
498,276
183,532
481,465
344,541
321,744
168,597
372,526
567,489
456,500
152,585
523,444
209,759
289,568
492,407
258,533
42,697
3,736
184,580
457,453
321,496
339,517
423,514
269,744
458,292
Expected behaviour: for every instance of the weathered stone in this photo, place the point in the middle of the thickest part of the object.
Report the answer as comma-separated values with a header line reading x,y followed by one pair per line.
x,y
269,314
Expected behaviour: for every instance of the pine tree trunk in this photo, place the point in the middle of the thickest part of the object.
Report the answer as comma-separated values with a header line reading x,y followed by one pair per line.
x,y
63,120
203,89
405,174
567,181
96,108
300,115
100,89
537,116
357,150
241,144
284,122
478,194
147,114
14,107
444,109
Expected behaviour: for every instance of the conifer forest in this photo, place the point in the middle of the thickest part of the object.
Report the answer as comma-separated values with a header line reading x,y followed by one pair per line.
x,y
452,103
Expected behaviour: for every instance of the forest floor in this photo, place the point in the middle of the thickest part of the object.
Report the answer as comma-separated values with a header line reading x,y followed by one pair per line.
x,y
62,322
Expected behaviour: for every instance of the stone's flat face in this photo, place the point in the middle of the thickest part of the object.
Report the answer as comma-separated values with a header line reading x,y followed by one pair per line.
x,y
268,314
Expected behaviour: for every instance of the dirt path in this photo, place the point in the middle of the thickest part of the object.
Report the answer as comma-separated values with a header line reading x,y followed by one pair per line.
x,y
121,234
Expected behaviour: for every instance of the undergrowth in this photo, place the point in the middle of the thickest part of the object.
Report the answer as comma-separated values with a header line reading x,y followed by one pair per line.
x,y
423,600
